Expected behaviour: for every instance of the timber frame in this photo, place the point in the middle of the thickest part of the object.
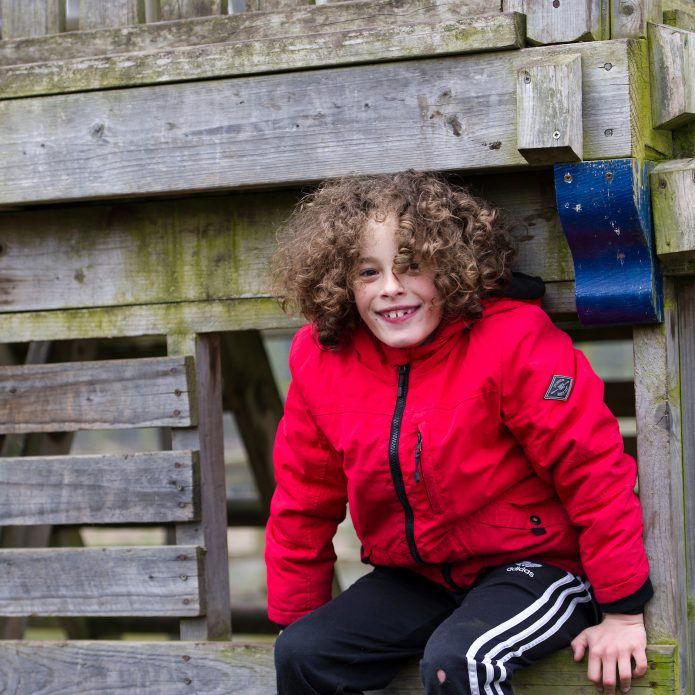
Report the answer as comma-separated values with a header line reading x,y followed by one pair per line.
x,y
147,159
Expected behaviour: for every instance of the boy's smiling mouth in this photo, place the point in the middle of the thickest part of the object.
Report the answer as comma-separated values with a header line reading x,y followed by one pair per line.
x,y
398,312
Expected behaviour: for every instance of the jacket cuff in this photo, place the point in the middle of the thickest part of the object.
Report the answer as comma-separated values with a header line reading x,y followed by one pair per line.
x,y
632,604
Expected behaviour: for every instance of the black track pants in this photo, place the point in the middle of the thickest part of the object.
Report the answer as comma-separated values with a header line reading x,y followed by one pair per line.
x,y
475,641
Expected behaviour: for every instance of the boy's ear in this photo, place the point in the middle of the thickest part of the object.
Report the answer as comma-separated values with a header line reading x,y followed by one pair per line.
x,y
524,286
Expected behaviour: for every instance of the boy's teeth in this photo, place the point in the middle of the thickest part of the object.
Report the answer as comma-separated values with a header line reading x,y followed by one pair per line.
x,y
396,314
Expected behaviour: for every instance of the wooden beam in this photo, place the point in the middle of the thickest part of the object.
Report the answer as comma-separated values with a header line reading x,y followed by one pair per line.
x,y
245,26
660,464
161,580
672,56
180,9
24,18
673,200
683,18
549,111
629,18
562,22
369,45
173,668
157,487
447,118
109,394
211,531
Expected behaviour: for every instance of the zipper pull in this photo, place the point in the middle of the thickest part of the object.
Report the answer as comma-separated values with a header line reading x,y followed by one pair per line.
x,y
418,456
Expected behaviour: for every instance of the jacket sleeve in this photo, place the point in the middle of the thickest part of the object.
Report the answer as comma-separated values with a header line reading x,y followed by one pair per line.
x,y
553,403
308,504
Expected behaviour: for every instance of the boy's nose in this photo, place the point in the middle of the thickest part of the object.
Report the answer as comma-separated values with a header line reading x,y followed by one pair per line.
x,y
392,284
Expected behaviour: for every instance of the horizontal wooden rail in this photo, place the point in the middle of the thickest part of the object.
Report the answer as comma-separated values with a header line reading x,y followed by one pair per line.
x,y
180,668
110,394
157,487
161,580
279,54
272,130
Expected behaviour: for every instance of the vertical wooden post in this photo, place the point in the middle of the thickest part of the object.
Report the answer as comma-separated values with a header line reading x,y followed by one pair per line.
x,y
114,13
686,333
660,459
211,531
22,18
180,9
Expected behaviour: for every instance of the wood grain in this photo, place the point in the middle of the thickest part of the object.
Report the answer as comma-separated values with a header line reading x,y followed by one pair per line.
x,y
109,394
162,580
157,487
24,18
114,13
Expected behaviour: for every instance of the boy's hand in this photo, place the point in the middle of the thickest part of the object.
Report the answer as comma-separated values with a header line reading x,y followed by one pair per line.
x,y
613,644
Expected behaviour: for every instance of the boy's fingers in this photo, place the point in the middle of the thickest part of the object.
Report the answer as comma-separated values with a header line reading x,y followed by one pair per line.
x,y
625,673
593,669
640,663
578,645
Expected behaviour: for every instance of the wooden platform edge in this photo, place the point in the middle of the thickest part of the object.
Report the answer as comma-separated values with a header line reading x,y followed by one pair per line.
x,y
224,668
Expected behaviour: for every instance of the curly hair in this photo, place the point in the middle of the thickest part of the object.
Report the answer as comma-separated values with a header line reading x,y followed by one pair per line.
x,y
463,239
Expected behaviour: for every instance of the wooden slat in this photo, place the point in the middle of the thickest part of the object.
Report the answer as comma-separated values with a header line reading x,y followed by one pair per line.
x,y
24,18
443,114
125,488
111,394
211,532
175,668
180,9
659,454
247,26
114,13
162,580
369,45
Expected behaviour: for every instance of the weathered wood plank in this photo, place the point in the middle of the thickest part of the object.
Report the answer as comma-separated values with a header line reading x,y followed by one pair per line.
x,y
279,54
562,22
686,334
659,454
682,18
673,201
156,487
114,13
173,668
211,531
164,580
23,18
549,111
208,248
672,55
180,9
452,113
246,26
629,18
109,394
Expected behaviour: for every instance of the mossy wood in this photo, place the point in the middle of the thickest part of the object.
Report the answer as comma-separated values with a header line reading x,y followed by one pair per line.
x,y
246,26
163,580
673,200
112,394
155,487
450,113
180,668
278,54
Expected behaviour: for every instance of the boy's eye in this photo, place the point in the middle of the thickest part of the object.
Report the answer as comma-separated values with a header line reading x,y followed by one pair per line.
x,y
414,267
367,273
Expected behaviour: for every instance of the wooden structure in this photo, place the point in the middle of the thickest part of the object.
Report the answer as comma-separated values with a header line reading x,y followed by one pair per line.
x,y
146,160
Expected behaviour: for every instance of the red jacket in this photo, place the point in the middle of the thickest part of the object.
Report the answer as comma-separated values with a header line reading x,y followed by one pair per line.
x,y
489,445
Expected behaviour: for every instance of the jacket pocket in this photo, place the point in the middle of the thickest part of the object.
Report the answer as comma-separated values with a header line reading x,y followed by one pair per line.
x,y
425,471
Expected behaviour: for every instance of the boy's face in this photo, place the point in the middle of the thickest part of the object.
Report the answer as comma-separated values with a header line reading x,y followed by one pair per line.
x,y
401,310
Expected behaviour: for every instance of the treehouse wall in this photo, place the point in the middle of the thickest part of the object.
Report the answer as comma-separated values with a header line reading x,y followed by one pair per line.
x,y
147,159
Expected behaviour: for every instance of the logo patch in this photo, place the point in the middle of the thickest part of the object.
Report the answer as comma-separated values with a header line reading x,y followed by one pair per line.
x,y
559,389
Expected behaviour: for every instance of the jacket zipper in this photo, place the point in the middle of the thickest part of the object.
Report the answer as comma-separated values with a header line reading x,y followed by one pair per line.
x,y
395,464
418,458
